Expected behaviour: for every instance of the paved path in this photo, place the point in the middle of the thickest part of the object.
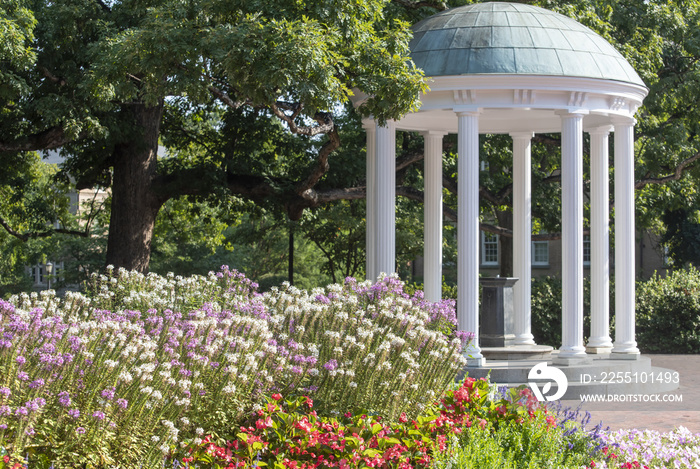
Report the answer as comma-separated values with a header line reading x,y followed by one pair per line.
x,y
661,416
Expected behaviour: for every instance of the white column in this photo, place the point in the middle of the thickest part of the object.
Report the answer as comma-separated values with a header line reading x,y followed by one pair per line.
x,y
468,232
386,198
522,236
600,342
432,219
371,202
625,345
572,236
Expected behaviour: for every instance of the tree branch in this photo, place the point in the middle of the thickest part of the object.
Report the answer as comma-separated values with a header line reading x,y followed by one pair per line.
x,y
52,77
48,139
408,159
685,164
304,189
324,119
226,99
40,234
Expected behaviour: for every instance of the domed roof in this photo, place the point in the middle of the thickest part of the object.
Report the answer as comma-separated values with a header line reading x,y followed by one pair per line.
x,y
514,38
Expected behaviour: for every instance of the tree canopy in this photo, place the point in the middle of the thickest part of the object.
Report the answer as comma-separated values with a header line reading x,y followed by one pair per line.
x,y
250,99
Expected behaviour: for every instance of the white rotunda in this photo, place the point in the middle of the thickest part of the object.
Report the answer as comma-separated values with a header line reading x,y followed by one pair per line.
x,y
517,69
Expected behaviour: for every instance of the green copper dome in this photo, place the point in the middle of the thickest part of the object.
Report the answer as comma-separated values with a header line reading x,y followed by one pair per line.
x,y
514,38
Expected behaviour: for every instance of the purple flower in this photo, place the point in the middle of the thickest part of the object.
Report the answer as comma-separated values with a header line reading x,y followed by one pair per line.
x,y
5,392
64,398
323,299
21,411
3,426
331,364
75,413
35,404
37,383
5,410
80,430
122,403
108,393
99,415
29,431
20,360
22,376
297,370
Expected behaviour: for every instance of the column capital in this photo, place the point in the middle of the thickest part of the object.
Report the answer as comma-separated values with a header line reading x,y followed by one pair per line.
x,y
599,130
368,123
436,133
621,121
522,135
460,111
572,112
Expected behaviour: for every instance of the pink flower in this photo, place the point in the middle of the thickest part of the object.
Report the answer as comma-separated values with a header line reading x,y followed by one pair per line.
x,y
261,424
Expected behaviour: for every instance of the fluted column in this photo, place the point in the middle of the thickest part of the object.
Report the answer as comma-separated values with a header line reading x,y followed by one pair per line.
x,y
371,202
386,198
572,236
600,341
432,220
468,232
522,236
625,345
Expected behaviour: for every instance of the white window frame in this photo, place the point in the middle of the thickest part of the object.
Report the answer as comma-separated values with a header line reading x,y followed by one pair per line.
x,y
491,242
586,248
536,262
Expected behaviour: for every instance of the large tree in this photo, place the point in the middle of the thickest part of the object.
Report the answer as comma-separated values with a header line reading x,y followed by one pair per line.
x,y
108,74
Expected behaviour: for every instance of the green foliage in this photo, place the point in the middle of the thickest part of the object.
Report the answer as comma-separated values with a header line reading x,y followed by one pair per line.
x,y
547,310
682,236
17,25
668,313
531,444
338,231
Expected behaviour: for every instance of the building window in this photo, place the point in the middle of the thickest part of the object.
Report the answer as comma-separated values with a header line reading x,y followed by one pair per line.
x,y
587,250
38,274
540,253
489,249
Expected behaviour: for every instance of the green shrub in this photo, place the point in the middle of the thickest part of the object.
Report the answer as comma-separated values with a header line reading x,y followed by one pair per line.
x,y
668,313
547,309
530,444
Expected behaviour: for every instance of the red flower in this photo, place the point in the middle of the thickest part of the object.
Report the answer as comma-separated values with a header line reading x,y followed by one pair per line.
x,y
6,459
403,418
277,396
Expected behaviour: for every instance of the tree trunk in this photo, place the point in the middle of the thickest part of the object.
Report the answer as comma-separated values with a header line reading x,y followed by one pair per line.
x,y
134,204
505,243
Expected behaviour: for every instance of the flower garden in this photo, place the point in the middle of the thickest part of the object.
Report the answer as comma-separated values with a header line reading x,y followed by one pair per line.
x,y
153,371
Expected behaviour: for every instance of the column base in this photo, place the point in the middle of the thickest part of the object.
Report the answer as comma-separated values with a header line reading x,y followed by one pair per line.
x,y
598,350
598,345
524,339
572,355
474,357
473,362
625,348
625,356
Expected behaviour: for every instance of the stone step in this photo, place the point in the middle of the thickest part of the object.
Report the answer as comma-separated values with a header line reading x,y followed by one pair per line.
x,y
518,352
516,371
